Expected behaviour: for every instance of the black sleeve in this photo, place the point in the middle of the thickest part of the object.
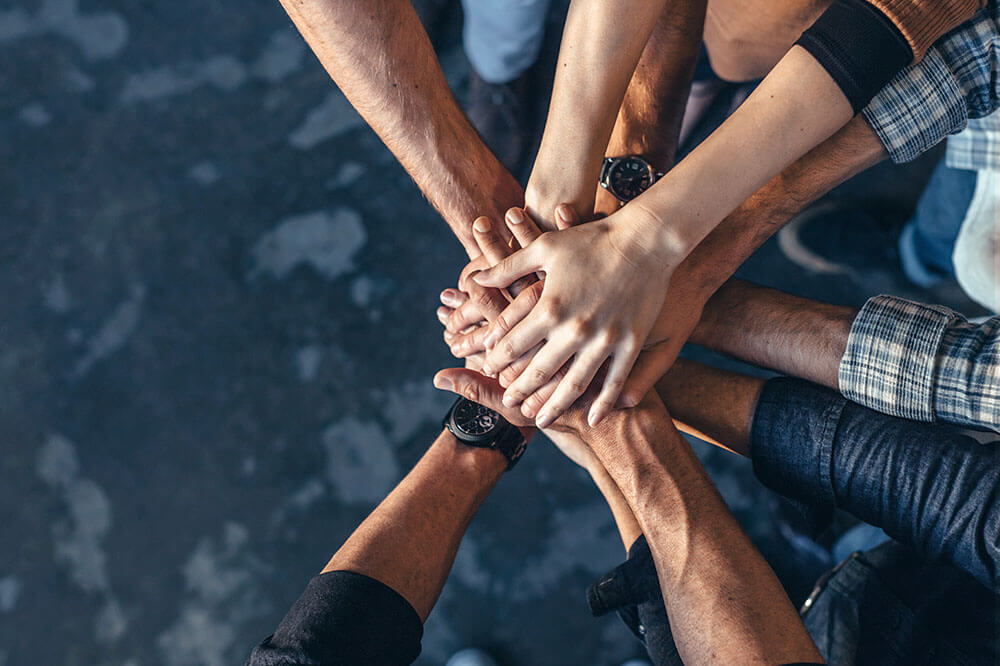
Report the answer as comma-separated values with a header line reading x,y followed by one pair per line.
x,y
344,618
860,48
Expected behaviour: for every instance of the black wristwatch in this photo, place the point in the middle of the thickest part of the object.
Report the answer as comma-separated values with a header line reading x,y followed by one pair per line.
x,y
627,177
475,425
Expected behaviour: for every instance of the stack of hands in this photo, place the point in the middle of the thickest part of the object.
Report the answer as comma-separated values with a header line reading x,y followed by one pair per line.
x,y
575,308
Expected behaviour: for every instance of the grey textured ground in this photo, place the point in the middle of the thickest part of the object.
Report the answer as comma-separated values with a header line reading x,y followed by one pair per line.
x,y
216,342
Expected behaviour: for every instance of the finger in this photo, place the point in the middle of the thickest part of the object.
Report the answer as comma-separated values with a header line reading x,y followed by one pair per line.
x,y
444,315
581,372
526,334
488,238
463,345
453,298
522,227
534,402
484,305
521,263
541,369
621,364
651,365
513,313
510,374
566,217
479,389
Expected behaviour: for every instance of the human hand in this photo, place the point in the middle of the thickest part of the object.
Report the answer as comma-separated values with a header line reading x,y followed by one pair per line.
x,y
604,287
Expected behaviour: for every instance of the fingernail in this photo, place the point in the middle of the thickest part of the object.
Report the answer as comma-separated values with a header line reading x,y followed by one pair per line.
x,y
487,370
490,340
544,420
442,313
450,298
443,383
482,225
562,212
509,401
527,411
479,276
515,216
594,418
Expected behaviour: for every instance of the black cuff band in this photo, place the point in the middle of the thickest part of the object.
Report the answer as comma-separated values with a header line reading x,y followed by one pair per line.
x,y
860,48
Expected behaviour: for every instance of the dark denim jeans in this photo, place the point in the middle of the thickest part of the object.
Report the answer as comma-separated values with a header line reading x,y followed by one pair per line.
x,y
931,488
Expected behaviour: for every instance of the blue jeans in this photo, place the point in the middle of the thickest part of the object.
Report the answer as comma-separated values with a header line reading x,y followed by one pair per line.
x,y
928,240
502,38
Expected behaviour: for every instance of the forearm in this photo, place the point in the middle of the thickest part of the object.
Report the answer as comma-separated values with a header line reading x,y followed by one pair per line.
x,y
381,58
766,327
409,541
725,604
850,151
600,48
794,109
649,120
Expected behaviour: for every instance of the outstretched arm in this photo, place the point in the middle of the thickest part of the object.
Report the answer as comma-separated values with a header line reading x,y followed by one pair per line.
x,y
379,55
724,603
380,585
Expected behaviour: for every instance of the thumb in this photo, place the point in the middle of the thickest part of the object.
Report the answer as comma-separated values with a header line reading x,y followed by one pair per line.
x,y
521,263
480,389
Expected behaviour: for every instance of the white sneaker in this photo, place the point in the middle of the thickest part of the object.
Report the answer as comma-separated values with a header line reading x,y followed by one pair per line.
x,y
471,657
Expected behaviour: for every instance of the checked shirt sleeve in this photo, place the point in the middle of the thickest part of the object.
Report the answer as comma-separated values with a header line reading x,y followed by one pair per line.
x,y
923,362
958,80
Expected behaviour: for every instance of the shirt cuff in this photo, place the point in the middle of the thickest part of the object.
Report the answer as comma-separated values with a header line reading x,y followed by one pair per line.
x,y
859,47
891,357
791,441
921,106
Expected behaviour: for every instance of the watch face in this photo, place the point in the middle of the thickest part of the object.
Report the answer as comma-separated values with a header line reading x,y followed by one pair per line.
x,y
629,177
474,419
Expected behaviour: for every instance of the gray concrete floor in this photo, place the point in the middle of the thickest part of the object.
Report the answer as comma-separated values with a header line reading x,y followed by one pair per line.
x,y
217,333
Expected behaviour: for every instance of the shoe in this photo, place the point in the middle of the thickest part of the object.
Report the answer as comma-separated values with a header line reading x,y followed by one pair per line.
x,y
839,239
499,112
470,657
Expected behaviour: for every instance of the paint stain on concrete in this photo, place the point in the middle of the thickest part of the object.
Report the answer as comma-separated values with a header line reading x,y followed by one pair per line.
x,y
57,297
282,56
307,362
582,537
223,72
114,332
10,590
330,119
411,406
78,538
360,463
204,173
34,115
98,35
347,174
326,241
222,586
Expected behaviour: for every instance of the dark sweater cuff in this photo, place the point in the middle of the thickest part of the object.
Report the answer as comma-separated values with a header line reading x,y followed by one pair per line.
x,y
859,47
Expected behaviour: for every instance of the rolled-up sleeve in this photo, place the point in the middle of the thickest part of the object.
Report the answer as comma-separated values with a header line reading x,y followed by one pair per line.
x,y
344,618
929,487
956,81
923,362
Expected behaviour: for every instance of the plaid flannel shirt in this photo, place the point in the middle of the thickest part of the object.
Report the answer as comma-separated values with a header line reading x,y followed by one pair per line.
x,y
958,80
923,362
977,148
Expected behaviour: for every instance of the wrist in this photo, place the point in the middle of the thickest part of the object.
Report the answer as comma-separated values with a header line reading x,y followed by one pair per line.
x,y
476,465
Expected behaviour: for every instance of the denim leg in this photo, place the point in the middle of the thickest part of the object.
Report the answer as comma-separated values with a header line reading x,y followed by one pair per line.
x,y
928,240
502,38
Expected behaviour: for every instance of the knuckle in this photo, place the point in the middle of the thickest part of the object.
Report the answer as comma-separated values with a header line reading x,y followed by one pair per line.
x,y
470,391
539,375
576,387
581,327
545,242
501,324
508,349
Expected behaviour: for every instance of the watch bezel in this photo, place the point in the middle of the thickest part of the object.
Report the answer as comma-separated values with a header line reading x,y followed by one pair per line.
x,y
485,439
615,162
